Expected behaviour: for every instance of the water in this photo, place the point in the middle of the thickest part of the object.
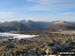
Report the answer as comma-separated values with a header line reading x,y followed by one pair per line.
x,y
19,36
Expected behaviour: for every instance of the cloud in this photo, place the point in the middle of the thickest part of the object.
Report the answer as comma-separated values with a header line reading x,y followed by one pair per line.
x,y
51,9
6,14
69,13
52,5
41,1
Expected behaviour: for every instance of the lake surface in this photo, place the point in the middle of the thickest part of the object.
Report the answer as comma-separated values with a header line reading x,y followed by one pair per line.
x,y
19,36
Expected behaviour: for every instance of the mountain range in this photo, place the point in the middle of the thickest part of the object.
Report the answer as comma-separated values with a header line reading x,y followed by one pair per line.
x,y
31,25
23,25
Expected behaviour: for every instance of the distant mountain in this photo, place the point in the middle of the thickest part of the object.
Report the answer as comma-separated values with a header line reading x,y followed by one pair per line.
x,y
1,30
60,26
59,22
23,25
30,25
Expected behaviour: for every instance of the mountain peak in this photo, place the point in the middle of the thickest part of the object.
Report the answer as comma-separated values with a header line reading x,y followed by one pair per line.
x,y
58,22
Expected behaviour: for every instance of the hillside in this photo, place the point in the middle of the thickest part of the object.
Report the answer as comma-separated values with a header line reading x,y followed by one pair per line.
x,y
60,26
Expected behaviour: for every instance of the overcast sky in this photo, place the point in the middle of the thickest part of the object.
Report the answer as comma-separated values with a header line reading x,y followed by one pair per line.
x,y
38,10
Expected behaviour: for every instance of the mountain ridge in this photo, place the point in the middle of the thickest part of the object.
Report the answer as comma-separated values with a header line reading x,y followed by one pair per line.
x,y
31,25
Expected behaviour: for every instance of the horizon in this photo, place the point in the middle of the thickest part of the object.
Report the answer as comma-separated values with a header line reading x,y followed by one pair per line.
x,y
36,21
37,10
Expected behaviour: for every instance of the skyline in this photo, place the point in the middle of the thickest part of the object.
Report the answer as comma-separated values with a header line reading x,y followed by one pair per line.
x,y
37,10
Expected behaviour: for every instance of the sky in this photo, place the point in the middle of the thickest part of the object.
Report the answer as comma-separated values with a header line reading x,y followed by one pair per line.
x,y
37,10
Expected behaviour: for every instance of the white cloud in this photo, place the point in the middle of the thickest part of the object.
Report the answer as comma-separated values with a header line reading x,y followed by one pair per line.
x,y
43,1
52,5
69,13
6,15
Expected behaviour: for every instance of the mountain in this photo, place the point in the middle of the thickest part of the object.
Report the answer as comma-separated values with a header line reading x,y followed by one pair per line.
x,y
23,25
60,26
31,25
